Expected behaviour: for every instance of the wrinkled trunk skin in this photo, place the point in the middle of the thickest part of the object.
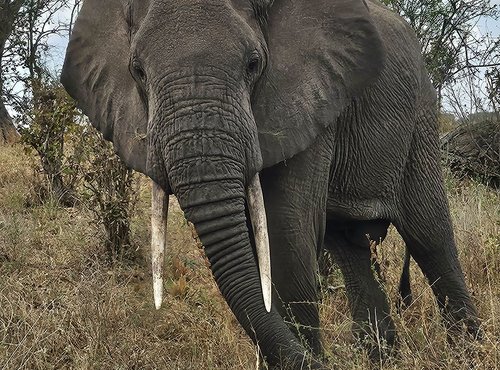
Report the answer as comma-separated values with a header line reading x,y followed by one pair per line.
x,y
222,228
208,166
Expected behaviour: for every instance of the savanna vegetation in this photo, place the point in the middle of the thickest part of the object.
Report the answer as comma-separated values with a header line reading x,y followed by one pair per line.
x,y
63,305
75,276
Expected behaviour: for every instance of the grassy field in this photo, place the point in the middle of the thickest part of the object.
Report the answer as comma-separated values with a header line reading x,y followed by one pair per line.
x,y
62,306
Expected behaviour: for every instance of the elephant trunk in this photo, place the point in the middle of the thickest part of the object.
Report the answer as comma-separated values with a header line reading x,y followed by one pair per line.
x,y
211,170
222,227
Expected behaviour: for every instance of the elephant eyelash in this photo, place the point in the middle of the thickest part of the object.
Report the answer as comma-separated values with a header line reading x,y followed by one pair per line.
x,y
254,68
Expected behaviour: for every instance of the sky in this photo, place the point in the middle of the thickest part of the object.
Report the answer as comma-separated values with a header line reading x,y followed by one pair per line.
x,y
491,25
58,44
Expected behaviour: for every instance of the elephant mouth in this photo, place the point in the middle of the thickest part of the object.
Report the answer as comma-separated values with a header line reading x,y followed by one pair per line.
x,y
256,208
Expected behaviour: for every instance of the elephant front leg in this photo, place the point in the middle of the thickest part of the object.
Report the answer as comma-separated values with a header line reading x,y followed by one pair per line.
x,y
351,247
295,197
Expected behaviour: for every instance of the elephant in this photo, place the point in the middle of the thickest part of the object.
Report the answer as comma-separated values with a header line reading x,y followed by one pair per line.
x,y
283,128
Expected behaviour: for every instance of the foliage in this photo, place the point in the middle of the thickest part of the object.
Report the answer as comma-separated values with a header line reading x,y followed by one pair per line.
x,y
61,307
25,29
53,119
473,150
452,46
79,166
110,194
446,122
28,45
493,88
45,114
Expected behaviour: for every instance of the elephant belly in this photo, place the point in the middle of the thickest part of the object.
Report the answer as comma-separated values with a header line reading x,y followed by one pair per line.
x,y
345,210
364,184
370,144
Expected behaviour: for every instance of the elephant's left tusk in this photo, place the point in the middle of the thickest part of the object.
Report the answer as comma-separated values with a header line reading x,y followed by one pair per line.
x,y
259,223
159,214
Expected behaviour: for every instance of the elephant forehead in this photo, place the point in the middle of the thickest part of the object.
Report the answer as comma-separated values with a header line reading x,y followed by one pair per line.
x,y
191,30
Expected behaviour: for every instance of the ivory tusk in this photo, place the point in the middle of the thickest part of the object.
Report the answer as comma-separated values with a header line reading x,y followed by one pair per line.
x,y
159,214
259,223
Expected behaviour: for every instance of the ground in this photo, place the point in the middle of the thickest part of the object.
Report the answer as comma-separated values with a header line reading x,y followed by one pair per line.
x,y
63,306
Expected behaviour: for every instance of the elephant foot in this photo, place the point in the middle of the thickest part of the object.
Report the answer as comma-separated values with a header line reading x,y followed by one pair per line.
x,y
309,363
378,338
462,327
460,317
305,360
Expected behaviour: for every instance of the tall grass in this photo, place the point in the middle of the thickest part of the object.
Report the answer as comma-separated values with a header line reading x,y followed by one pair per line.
x,y
62,306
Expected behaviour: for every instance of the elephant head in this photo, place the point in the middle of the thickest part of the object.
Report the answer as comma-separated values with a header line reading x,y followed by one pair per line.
x,y
201,95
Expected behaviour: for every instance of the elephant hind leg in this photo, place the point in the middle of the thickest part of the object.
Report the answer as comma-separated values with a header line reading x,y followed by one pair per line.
x,y
350,246
424,223
427,231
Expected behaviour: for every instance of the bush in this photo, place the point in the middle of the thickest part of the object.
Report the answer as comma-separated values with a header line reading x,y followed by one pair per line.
x,y
110,193
50,122
78,165
473,150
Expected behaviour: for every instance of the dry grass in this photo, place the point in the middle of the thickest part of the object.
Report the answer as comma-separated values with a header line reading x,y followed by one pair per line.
x,y
61,306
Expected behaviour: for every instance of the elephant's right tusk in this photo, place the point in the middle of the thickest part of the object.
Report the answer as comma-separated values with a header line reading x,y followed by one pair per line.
x,y
259,223
159,214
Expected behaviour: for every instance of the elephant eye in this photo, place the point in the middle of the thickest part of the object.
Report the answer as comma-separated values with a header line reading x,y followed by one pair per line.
x,y
138,71
253,65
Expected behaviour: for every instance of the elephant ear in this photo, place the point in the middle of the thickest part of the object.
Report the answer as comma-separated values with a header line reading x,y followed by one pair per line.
x,y
96,74
322,54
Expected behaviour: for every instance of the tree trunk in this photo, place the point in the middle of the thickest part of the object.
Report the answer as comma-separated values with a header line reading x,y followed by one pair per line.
x,y
8,13
8,133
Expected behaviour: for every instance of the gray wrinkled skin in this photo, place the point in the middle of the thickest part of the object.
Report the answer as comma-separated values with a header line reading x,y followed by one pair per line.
x,y
329,99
